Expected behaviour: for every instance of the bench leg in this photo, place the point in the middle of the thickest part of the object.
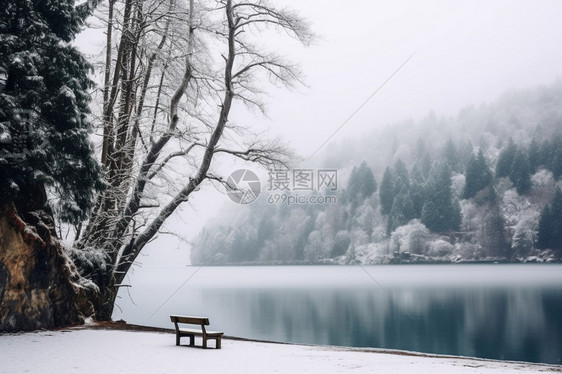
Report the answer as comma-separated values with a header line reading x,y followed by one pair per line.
x,y
177,339
204,343
218,340
191,340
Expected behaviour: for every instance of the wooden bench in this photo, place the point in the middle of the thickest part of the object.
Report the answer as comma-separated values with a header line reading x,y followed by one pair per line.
x,y
191,333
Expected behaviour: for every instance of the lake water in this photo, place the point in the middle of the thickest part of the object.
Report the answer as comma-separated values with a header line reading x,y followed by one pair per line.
x,y
508,312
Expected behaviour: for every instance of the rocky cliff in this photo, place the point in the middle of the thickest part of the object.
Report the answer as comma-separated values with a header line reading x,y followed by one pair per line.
x,y
38,285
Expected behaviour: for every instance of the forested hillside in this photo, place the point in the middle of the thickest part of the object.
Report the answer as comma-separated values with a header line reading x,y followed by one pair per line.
x,y
481,186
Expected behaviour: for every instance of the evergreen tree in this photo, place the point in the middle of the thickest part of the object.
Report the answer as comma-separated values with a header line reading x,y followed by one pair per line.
x,y
402,176
451,156
368,184
555,163
466,152
44,106
386,191
441,212
353,189
402,210
544,239
477,176
492,234
534,156
520,173
545,154
456,215
425,165
513,162
550,224
505,160
556,207
417,190
362,182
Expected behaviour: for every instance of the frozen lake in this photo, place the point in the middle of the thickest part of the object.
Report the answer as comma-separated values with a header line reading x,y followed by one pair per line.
x,y
509,312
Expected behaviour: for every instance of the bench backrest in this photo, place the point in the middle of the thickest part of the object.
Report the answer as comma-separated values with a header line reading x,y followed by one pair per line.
x,y
202,321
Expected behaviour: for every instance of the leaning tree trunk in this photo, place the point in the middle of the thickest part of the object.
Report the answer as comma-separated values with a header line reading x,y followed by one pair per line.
x,y
129,214
104,303
39,285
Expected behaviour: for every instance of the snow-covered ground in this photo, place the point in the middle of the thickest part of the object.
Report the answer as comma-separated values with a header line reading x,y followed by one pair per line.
x,y
118,351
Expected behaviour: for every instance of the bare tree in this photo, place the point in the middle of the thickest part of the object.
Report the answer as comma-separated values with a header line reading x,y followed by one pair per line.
x,y
172,73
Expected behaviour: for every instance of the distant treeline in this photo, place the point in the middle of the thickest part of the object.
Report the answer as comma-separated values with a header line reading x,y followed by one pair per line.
x,y
460,191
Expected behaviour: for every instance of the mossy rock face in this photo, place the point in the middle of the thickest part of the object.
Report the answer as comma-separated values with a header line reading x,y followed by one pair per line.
x,y
36,281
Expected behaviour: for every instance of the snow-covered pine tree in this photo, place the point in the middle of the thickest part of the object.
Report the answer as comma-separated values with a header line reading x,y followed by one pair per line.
x,y
521,172
402,210
550,224
361,183
505,160
417,190
451,156
43,108
441,211
386,191
478,175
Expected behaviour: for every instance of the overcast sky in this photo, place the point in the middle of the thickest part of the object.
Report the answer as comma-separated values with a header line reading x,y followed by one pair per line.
x,y
462,53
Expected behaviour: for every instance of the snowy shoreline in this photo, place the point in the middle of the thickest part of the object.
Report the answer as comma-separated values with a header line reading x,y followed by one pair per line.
x,y
122,348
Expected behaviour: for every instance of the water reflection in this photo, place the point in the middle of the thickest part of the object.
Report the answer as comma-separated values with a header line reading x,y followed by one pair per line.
x,y
519,324
500,320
